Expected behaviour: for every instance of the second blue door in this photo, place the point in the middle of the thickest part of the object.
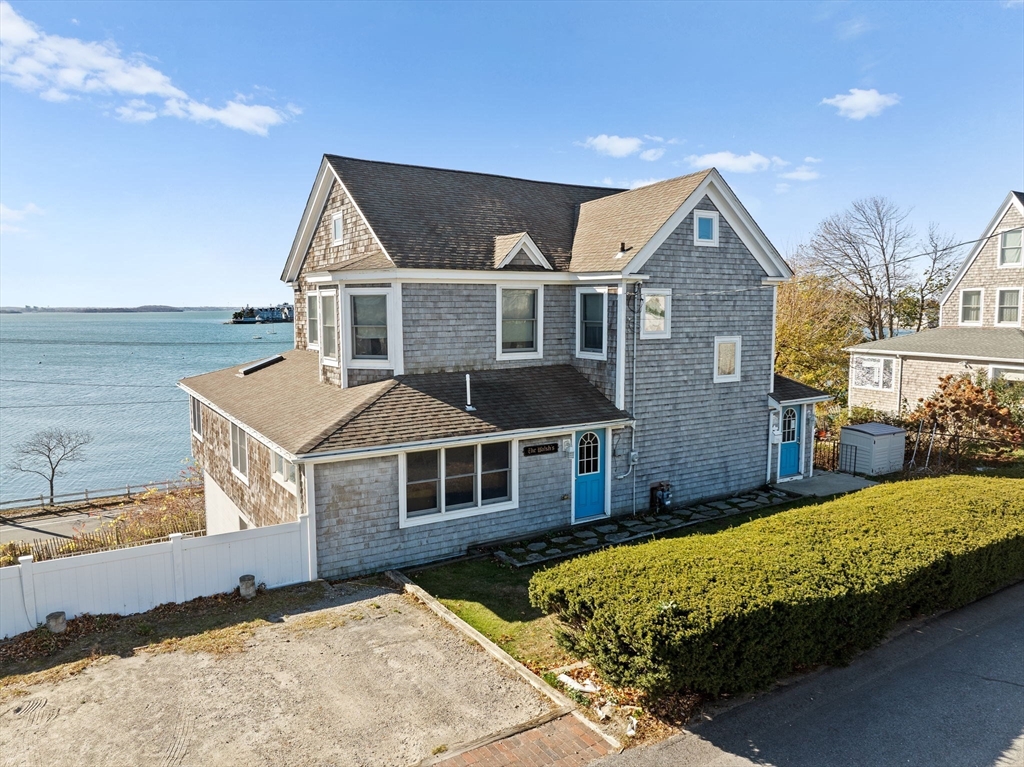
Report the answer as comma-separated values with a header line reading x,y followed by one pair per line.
x,y
589,473
789,450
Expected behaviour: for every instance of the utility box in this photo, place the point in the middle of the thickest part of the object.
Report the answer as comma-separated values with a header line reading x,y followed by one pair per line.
x,y
879,447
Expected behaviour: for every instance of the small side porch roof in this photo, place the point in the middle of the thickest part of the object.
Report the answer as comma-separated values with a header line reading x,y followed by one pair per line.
x,y
789,392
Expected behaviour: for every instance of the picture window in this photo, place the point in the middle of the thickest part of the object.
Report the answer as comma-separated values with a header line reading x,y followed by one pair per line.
x,y
457,480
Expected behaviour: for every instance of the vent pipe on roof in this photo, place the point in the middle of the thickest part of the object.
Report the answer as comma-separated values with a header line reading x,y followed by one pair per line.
x,y
469,398
623,250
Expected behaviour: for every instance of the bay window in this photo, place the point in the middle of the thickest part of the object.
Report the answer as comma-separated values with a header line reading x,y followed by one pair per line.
x,y
329,325
312,321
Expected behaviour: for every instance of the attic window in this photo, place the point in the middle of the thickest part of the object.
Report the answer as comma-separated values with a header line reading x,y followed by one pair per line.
x,y
705,228
337,229
1010,248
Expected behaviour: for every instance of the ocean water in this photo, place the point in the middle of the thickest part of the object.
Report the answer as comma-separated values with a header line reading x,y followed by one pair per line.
x,y
114,375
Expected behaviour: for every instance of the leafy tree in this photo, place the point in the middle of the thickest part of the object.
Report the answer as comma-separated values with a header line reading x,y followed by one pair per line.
x,y
917,305
814,323
47,451
963,413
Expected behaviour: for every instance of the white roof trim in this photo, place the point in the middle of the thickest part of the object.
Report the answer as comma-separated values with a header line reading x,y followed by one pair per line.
x,y
481,276
529,247
730,207
799,401
932,355
1011,200
325,179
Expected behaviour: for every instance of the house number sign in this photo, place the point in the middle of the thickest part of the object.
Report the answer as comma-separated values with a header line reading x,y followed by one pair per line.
x,y
551,447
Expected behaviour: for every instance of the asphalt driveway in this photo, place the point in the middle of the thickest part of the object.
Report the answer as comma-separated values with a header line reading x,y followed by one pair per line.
x,y
949,692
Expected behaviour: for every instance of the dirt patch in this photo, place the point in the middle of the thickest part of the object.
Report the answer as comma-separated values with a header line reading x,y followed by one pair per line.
x,y
369,678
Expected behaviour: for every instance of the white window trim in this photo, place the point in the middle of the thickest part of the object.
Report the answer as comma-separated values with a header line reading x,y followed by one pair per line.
x,y
313,345
1020,306
712,214
195,407
1011,368
537,354
580,351
719,340
357,363
441,516
279,478
334,361
881,373
667,332
231,444
340,216
999,251
981,307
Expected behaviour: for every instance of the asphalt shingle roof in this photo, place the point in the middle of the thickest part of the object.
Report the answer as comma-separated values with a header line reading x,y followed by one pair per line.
x,y
985,343
436,218
788,390
287,404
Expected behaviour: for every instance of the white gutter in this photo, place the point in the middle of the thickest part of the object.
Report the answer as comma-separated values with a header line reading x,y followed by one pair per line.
x,y
896,353
483,276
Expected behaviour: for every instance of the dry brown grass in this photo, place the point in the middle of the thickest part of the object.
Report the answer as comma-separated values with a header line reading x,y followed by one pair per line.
x,y
14,686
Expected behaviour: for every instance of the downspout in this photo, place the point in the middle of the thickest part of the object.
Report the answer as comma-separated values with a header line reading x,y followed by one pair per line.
x,y
899,389
632,384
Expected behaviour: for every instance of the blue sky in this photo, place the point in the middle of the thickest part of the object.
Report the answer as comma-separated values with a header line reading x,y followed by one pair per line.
x,y
163,152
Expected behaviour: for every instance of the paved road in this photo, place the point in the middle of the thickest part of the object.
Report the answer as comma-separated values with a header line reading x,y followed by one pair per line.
x,y
32,528
950,693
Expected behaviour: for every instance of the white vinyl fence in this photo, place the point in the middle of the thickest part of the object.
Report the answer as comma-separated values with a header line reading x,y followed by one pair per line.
x,y
137,579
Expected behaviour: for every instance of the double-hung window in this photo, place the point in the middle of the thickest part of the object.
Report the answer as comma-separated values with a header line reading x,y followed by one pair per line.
x,y
313,321
520,323
456,481
337,229
727,358
970,307
239,454
283,471
196,417
1008,307
329,325
590,329
369,326
656,321
1010,247
873,373
705,228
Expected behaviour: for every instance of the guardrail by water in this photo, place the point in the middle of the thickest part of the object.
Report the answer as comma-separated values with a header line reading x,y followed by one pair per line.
x,y
88,496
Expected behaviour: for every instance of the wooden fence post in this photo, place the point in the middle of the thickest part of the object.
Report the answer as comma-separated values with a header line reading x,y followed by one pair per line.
x,y
178,561
28,589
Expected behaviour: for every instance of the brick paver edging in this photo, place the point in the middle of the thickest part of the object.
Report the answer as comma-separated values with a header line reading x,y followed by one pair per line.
x,y
560,700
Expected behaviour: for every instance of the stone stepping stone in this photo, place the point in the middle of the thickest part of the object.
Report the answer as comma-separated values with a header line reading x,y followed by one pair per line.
x,y
552,552
722,505
737,499
630,523
642,528
586,535
606,529
561,539
518,550
750,505
618,537
539,546
534,557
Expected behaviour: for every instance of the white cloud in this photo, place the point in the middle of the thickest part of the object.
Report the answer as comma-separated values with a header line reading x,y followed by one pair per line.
x,y
847,30
636,184
614,146
781,188
1013,3
655,139
607,181
801,173
812,159
9,215
859,103
652,154
60,68
778,162
747,163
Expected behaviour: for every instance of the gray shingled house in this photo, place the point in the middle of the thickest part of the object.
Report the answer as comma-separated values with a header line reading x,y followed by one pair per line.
x,y
979,326
479,358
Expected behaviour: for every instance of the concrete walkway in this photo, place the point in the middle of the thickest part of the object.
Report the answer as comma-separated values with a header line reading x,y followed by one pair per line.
x,y
949,692
825,484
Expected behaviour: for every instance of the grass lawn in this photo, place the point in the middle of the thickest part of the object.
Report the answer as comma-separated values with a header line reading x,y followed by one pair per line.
x,y
493,597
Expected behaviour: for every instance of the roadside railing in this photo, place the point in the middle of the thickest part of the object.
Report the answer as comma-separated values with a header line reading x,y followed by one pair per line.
x,y
90,496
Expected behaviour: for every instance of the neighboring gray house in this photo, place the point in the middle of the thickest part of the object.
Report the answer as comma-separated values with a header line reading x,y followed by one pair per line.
x,y
979,326
481,358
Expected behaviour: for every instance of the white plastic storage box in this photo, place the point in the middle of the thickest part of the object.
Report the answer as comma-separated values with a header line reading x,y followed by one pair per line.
x,y
879,447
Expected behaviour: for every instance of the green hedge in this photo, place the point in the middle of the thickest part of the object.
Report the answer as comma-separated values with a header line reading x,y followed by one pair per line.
x,y
735,610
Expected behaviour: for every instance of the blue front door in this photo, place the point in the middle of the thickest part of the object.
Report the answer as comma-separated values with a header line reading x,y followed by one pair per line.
x,y
589,473
789,450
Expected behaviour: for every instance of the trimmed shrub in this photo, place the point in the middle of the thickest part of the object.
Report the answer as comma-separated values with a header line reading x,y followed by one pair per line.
x,y
735,610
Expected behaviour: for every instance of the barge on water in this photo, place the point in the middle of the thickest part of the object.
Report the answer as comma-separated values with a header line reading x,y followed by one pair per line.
x,y
262,315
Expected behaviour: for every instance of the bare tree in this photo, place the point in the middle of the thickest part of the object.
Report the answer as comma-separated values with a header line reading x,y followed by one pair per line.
x,y
46,451
918,304
867,250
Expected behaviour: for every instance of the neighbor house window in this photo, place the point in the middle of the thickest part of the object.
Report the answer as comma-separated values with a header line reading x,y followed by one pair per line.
x,y
970,307
283,471
590,330
369,326
1009,248
1008,307
520,317
1013,375
196,413
656,321
239,456
312,320
337,228
457,481
873,373
329,325
727,358
705,227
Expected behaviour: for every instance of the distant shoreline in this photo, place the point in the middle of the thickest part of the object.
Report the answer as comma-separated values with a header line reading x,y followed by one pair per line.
x,y
110,309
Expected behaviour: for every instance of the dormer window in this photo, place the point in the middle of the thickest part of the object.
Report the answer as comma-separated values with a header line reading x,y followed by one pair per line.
x,y
337,229
705,228
1009,248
